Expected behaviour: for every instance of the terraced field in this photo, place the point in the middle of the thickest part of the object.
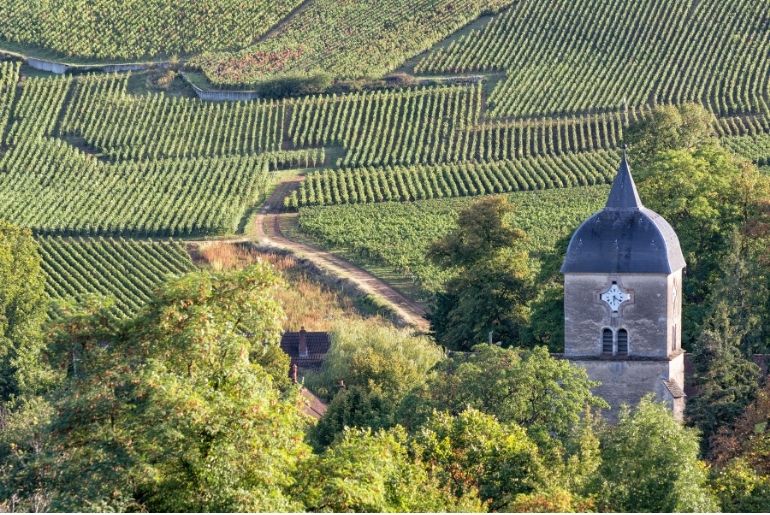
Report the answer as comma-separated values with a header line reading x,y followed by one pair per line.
x,y
569,56
346,39
99,156
127,271
134,29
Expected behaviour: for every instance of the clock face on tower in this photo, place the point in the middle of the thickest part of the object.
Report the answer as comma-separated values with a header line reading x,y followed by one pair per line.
x,y
614,297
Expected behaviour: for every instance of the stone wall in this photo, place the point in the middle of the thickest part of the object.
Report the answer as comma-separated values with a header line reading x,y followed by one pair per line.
x,y
627,381
651,316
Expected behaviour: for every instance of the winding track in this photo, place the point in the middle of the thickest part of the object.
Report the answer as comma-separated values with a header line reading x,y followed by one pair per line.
x,y
268,232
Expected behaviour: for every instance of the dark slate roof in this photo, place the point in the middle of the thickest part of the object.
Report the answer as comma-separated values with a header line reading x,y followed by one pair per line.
x,y
624,237
318,344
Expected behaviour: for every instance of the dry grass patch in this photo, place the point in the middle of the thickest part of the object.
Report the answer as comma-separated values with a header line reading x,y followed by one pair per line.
x,y
306,302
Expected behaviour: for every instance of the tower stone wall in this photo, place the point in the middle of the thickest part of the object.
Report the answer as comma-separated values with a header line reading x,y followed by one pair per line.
x,y
623,301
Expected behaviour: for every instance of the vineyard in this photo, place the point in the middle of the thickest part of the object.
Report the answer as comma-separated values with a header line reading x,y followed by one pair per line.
x,y
346,39
134,29
444,181
570,56
57,188
126,271
398,234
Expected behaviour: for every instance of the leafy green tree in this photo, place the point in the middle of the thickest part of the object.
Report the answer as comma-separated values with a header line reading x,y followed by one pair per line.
x,y
373,472
707,195
727,381
22,312
741,454
378,366
741,489
492,286
684,127
650,463
552,500
527,387
473,452
186,407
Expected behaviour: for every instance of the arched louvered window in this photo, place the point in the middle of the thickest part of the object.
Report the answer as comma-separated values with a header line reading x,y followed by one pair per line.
x,y
622,341
607,338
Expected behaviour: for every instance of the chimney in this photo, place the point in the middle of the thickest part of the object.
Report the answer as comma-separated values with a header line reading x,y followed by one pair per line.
x,y
303,343
294,373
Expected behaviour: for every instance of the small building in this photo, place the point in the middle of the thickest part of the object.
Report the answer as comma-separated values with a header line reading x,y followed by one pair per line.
x,y
306,349
623,301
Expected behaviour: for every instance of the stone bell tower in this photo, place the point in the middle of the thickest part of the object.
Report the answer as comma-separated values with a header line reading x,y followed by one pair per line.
x,y
623,302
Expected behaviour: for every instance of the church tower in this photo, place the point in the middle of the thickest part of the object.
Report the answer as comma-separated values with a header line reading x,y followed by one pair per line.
x,y
623,301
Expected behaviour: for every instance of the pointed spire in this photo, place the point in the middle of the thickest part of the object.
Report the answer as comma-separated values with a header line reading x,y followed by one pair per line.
x,y
623,194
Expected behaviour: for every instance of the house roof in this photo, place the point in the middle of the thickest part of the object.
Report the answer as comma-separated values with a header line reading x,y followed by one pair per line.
x,y
314,407
674,389
317,343
624,237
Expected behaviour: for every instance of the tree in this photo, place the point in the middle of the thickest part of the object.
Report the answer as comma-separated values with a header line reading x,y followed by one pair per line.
x,y
186,407
366,471
727,381
378,366
650,463
708,196
741,455
492,285
527,387
473,452
685,127
22,312
741,489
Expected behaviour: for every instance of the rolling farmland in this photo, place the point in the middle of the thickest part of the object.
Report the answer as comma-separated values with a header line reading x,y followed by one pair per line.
x,y
553,88
125,270
139,28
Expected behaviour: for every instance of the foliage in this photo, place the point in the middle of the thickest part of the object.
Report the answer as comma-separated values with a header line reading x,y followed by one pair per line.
x,y
22,311
473,452
373,472
531,388
139,28
742,456
399,234
377,365
364,185
727,380
554,500
492,284
707,195
186,406
741,489
650,463
574,56
748,438
685,127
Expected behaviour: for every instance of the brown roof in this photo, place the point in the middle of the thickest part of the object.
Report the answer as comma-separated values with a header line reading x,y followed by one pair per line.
x,y
314,406
317,344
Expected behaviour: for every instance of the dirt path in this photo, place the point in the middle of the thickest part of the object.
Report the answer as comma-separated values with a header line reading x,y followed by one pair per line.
x,y
268,232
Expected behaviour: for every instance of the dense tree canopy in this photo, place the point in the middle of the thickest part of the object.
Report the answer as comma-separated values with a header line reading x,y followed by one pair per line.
x,y
650,463
527,387
22,310
186,407
492,287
